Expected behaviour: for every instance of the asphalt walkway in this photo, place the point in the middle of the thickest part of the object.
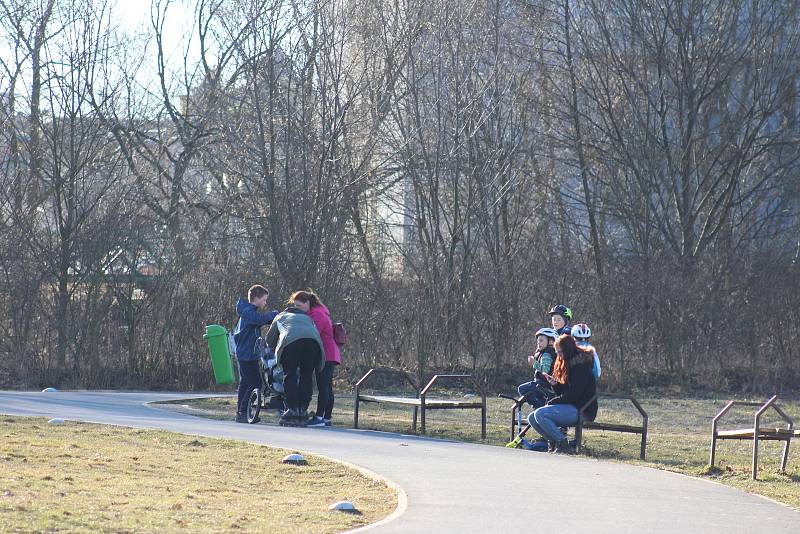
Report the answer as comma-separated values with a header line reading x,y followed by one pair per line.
x,y
462,487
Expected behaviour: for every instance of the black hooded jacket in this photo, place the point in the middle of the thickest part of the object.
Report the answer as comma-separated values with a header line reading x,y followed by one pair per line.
x,y
580,386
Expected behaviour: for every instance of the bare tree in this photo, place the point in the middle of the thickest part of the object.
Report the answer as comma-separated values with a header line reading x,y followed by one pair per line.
x,y
442,172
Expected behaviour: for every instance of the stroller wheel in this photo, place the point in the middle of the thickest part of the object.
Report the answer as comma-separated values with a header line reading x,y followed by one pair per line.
x,y
254,406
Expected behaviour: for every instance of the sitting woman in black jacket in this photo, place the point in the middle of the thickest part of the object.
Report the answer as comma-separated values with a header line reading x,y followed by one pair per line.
x,y
574,385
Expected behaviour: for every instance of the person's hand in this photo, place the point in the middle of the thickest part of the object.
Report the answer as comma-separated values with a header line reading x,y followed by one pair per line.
x,y
550,379
531,359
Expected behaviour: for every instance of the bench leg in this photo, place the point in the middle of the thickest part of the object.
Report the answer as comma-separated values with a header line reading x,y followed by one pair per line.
x,y
355,411
755,453
644,445
713,449
483,421
578,437
422,417
514,423
414,420
785,455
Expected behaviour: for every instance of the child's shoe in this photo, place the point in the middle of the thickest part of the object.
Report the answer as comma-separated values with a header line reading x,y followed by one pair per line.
x,y
327,422
514,443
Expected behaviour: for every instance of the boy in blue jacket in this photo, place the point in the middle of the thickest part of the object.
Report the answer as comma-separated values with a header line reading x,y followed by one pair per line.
x,y
560,318
248,330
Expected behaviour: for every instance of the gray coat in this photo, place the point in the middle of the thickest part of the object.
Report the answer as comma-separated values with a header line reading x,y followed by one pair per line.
x,y
291,325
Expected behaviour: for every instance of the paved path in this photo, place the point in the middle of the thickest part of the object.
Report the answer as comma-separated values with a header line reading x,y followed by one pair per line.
x,y
460,487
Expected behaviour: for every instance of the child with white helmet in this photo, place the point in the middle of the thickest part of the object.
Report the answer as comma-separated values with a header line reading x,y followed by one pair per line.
x,y
538,391
582,333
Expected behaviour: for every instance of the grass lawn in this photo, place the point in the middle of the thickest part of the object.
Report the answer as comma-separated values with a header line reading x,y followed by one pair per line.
x,y
88,478
678,436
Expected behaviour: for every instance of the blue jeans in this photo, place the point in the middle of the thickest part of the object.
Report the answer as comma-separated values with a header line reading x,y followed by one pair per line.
x,y
547,420
536,393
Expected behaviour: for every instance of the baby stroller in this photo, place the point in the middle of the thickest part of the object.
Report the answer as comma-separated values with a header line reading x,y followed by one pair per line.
x,y
271,396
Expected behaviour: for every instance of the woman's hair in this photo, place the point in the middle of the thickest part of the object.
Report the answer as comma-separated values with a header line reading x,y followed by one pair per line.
x,y
306,296
566,350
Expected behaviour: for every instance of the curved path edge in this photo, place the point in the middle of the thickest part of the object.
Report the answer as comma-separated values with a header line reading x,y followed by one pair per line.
x,y
402,497
463,487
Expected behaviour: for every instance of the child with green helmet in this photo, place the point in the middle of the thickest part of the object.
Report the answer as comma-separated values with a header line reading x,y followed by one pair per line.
x,y
561,317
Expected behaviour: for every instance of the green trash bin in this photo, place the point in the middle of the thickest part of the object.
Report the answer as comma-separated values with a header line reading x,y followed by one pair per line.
x,y
219,349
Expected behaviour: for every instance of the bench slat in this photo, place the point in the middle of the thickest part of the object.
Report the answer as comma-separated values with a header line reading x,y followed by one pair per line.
x,y
766,433
613,427
409,401
443,404
430,403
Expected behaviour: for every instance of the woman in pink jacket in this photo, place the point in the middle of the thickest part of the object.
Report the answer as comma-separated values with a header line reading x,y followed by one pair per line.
x,y
310,303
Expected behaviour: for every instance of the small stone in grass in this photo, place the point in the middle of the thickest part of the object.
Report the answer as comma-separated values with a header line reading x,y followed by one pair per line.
x,y
344,506
294,458
56,421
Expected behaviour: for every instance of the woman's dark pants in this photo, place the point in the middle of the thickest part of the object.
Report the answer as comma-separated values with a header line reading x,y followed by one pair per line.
x,y
325,390
299,360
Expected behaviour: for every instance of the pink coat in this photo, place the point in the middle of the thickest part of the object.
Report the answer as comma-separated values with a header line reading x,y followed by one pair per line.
x,y
322,318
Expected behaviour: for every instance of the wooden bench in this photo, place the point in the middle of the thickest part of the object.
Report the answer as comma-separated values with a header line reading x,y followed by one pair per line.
x,y
763,434
586,424
421,402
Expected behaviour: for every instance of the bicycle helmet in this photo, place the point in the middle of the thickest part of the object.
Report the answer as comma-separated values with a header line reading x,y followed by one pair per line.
x,y
547,332
563,311
581,331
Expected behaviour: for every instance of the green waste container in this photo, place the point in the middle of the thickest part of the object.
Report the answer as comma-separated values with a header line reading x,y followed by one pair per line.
x,y
219,349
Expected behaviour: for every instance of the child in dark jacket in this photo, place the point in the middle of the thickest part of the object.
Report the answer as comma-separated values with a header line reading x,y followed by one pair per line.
x,y
561,318
248,330
538,391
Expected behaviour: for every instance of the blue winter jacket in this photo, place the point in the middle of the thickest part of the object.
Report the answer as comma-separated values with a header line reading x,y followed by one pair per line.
x,y
248,329
566,329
